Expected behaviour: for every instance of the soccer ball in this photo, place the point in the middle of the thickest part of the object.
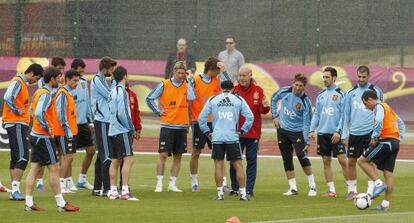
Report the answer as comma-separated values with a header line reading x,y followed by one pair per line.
x,y
362,201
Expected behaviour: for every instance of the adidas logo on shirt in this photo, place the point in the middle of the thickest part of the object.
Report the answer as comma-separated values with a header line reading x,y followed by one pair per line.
x,y
225,102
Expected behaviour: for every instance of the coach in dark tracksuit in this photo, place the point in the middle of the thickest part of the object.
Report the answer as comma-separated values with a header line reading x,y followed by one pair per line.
x,y
255,98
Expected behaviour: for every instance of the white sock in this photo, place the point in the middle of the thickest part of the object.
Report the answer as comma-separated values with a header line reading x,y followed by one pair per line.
x,y
172,181
242,191
159,179
378,182
311,180
220,191
15,186
125,189
114,189
194,180
371,186
29,201
59,200
82,178
69,181
331,187
352,186
385,203
62,183
292,184
224,181
39,181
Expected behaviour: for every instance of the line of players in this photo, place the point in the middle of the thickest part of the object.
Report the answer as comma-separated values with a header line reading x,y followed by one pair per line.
x,y
337,114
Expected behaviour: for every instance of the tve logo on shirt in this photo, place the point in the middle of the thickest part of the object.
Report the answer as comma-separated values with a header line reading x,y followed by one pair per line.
x,y
328,111
359,106
291,114
225,115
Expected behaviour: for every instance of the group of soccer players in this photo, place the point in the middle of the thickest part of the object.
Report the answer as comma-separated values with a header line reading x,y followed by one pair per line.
x,y
223,116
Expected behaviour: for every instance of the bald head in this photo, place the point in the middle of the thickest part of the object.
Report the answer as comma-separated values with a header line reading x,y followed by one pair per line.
x,y
181,45
245,76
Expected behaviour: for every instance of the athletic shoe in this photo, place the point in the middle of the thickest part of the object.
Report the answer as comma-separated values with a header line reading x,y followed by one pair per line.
x,y
129,197
73,189
312,192
97,193
291,192
329,194
220,197
40,188
4,189
233,193
33,208
244,198
195,188
85,185
16,196
351,196
380,208
66,191
378,190
68,207
104,193
158,188
113,196
174,189
226,189
250,195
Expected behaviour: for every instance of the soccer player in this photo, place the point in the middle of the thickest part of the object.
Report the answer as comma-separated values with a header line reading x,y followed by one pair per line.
x,y
254,96
43,146
59,63
384,146
16,121
84,122
292,122
66,129
100,91
357,129
326,126
121,133
225,109
174,95
206,84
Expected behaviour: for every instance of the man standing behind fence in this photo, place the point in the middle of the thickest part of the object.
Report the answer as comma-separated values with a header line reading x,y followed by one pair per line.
x,y
232,58
180,55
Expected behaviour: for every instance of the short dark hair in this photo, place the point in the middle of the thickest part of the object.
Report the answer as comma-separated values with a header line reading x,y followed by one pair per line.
x,y
227,85
77,63
211,64
51,72
119,73
331,70
106,63
363,69
231,37
300,77
369,94
56,61
36,68
71,73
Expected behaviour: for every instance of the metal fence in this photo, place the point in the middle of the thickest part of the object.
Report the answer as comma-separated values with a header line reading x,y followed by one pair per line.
x,y
280,31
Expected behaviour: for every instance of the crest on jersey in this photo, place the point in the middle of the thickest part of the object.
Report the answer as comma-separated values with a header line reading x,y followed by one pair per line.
x,y
256,95
83,85
334,97
298,106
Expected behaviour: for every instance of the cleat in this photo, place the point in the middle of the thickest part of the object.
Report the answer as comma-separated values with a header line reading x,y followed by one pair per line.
x,y
97,193
68,207
312,192
195,188
33,208
220,197
158,188
244,198
250,195
329,194
226,189
380,208
84,185
174,189
73,189
113,196
291,192
66,191
351,196
16,196
104,193
40,188
234,193
4,189
378,190
129,197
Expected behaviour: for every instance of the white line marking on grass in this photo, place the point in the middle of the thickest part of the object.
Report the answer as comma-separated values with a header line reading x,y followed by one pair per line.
x,y
208,155
335,217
